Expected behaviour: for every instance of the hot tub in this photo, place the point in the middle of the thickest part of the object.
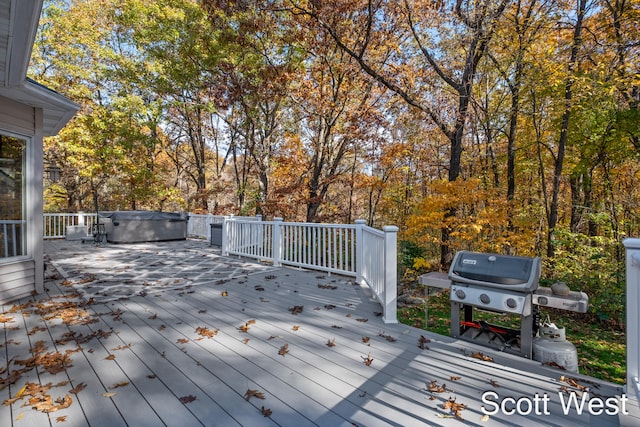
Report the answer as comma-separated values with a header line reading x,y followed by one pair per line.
x,y
144,226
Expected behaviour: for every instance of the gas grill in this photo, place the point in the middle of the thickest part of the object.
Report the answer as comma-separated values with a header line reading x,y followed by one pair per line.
x,y
502,284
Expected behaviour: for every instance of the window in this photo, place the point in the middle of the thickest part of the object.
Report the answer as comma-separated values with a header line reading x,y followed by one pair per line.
x,y
13,155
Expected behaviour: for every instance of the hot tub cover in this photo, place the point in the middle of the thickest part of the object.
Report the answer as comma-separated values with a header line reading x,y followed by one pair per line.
x,y
144,215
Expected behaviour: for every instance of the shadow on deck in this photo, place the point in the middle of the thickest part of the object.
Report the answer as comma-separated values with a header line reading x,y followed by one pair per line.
x,y
175,334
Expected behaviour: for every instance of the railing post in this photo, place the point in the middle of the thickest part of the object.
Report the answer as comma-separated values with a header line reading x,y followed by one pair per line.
x,y
258,217
633,317
226,234
277,242
390,301
360,223
80,218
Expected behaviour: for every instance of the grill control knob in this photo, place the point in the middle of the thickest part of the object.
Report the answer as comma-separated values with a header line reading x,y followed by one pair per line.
x,y
543,301
484,298
460,294
512,303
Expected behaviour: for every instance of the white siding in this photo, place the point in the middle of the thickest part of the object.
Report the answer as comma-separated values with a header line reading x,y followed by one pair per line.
x,y
16,117
16,280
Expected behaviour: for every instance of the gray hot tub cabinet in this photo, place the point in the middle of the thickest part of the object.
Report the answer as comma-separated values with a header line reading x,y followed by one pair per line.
x,y
144,226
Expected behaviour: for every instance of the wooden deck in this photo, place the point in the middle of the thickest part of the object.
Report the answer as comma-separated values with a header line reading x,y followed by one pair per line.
x,y
174,334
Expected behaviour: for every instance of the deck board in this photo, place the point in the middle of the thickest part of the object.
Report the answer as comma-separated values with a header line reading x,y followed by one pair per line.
x,y
149,299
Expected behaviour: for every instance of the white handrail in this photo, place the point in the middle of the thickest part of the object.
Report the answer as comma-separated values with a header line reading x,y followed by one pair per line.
x,y
355,250
55,224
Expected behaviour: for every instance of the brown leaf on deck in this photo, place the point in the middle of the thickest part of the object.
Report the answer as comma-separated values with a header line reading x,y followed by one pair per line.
x,y
187,399
244,328
365,339
120,384
433,387
253,393
284,350
363,320
454,378
494,383
574,383
6,319
422,342
296,327
111,357
61,419
455,408
332,287
121,347
481,356
367,360
266,411
387,337
77,389
296,309
246,341
182,341
206,332
331,342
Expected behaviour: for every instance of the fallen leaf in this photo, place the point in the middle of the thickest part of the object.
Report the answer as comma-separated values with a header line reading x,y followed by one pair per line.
x,y
296,309
455,408
182,341
331,342
266,411
109,394
225,293
206,332
246,341
296,327
433,387
77,389
363,320
111,357
120,384
481,356
494,383
284,350
253,393
454,378
485,418
365,339
19,417
329,306
367,360
187,399
61,419
152,376
422,341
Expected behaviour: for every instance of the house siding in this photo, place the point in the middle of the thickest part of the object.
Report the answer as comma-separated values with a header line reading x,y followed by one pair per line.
x,y
22,276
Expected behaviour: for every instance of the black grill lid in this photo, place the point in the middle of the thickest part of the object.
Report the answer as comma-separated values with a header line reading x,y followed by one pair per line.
x,y
497,271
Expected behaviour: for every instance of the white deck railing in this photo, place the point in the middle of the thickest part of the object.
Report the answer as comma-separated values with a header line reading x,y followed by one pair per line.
x,y
633,317
199,225
55,224
355,250
11,237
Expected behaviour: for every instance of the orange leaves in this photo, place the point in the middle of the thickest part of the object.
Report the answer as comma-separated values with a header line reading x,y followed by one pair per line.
x,y
433,387
481,356
253,393
38,397
206,333
245,328
6,319
455,408
331,342
266,411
